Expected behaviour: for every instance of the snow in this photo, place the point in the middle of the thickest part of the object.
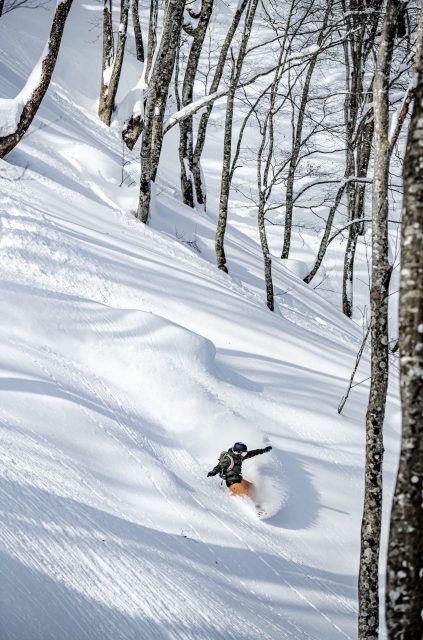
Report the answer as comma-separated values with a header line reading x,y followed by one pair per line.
x,y
11,108
127,363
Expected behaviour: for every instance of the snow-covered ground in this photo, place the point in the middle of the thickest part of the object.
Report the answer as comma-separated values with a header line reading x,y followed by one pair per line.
x,y
128,362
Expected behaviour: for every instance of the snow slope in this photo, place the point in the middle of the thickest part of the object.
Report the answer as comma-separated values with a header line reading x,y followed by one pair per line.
x,y
128,362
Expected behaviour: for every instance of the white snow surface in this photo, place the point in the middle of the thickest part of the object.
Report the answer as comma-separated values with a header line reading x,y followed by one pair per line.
x,y
127,363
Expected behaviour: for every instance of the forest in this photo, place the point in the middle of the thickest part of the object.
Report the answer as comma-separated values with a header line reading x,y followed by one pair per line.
x,y
247,177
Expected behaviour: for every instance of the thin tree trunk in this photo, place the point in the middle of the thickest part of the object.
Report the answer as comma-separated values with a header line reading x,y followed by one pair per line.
x,y
1,7
51,52
266,256
363,28
158,88
368,587
186,129
202,127
404,593
356,208
139,45
326,235
135,125
109,86
108,52
289,200
227,144
152,37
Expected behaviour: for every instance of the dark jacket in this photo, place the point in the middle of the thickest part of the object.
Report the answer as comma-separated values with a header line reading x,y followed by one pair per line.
x,y
234,474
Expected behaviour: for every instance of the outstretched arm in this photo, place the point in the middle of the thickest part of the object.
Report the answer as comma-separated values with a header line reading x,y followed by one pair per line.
x,y
257,452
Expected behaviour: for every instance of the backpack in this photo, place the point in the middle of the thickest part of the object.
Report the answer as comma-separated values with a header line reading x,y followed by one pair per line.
x,y
223,472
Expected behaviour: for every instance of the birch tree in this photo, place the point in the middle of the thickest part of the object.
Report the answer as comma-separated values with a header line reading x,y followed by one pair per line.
x,y
112,61
195,161
227,143
404,592
368,586
139,44
157,95
297,131
186,149
16,115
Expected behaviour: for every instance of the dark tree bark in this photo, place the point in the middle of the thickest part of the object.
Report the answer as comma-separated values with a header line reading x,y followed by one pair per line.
x,y
202,127
9,142
362,26
152,37
139,45
134,127
186,130
227,143
1,7
109,85
158,88
368,586
326,235
297,137
404,592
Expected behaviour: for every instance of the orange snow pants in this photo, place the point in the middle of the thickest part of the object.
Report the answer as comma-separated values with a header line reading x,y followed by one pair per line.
x,y
243,488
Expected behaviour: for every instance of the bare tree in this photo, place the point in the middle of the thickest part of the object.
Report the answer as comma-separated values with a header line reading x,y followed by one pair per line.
x,y
195,165
158,88
359,124
134,125
227,144
6,6
297,131
139,45
368,587
26,104
404,592
186,126
112,61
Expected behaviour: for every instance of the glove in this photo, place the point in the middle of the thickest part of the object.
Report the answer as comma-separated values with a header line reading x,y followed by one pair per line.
x,y
268,448
210,473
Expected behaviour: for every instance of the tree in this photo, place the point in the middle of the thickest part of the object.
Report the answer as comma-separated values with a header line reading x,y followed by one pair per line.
x,y
359,125
404,592
368,586
195,163
297,131
186,130
139,45
112,61
20,111
227,143
154,111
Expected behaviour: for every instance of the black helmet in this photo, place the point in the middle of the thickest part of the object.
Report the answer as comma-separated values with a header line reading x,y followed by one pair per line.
x,y
239,447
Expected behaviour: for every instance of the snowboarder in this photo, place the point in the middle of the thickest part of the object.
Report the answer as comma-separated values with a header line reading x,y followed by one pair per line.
x,y
229,468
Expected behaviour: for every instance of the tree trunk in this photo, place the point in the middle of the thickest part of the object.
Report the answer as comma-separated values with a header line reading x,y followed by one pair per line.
x,y
47,64
266,256
368,587
356,212
362,26
109,85
326,235
186,133
152,37
227,144
158,87
404,593
202,127
139,45
296,147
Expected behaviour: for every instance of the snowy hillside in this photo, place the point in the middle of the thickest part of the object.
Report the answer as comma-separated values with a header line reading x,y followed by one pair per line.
x,y
128,362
